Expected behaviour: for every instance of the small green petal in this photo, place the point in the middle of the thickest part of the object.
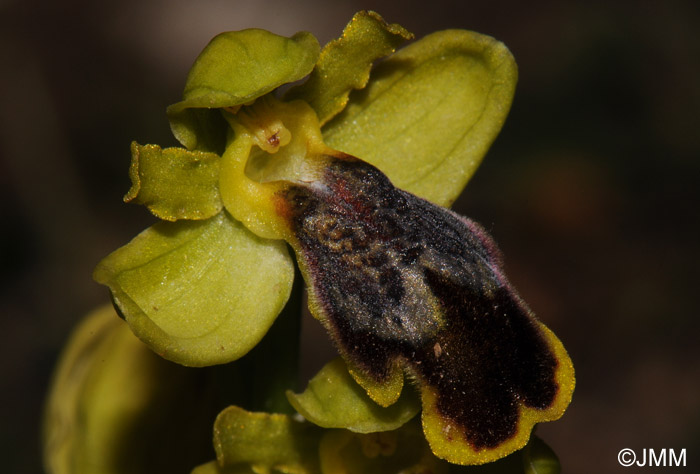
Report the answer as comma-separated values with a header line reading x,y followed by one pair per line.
x,y
175,183
236,68
538,458
266,441
345,63
430,112
199,292
334,400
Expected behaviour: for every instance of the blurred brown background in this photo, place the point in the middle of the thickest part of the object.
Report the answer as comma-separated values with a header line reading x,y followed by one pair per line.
x,y
591,188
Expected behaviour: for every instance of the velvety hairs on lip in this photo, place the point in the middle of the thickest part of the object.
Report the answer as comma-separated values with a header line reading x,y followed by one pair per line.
x,y
400,280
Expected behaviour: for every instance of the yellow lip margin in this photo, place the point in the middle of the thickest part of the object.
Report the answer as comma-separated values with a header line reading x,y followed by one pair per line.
x,y
447,442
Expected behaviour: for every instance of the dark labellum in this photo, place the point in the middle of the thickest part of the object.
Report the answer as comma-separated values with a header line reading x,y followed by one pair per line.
x,y
401,279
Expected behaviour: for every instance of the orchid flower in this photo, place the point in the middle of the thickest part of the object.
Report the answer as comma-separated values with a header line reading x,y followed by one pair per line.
x,y
346,177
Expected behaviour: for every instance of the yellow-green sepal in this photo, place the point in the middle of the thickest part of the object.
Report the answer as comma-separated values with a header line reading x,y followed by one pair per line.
x,y
430,112
333,399
175,183
235,68
114,407
344,63
199,292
